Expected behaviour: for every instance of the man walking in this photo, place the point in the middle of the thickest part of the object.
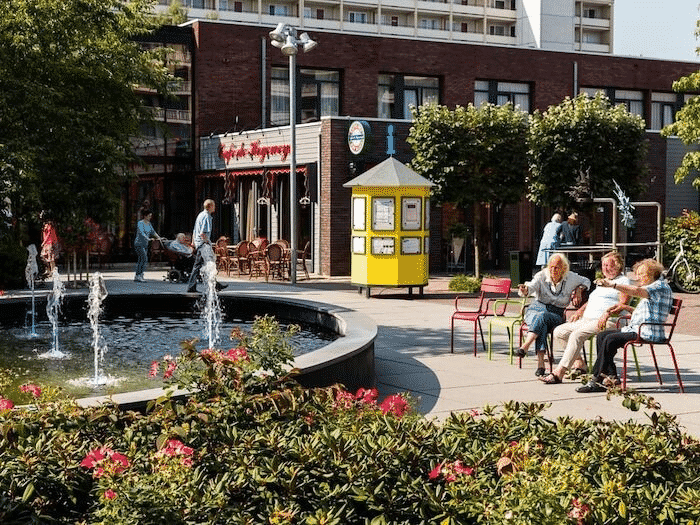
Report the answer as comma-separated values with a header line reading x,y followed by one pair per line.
x,y
201,236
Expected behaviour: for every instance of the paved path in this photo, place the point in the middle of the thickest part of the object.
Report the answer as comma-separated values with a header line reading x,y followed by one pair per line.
x,y
412,352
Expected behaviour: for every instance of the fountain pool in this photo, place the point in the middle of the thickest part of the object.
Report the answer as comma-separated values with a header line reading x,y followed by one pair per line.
x,y
139,329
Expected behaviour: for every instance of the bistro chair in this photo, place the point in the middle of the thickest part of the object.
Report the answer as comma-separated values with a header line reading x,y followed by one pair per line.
x,y
640,341
275,260
257,261
491,289
507,313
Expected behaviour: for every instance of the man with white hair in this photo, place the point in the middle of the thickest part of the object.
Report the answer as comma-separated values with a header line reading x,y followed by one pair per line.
x,y
201,236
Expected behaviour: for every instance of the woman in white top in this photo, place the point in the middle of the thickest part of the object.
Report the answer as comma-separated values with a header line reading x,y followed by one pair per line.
x,y
592,318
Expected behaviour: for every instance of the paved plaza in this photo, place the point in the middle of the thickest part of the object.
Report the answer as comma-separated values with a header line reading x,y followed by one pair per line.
x,y
412,351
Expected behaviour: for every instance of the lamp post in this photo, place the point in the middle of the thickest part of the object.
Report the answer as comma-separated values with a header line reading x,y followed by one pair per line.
x,y
284,37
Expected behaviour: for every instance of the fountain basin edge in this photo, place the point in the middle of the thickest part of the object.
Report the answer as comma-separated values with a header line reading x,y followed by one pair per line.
x,y
348,360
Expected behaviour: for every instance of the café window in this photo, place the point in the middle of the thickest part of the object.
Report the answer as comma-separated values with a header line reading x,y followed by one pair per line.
x,y
397,93
500,93
318,95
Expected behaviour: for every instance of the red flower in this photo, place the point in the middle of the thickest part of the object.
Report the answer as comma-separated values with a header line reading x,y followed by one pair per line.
x,y
395,404
238,354
450,471
172,365
110,494
103,460
474,412
35,390
579,511
344,399
175,447
368,396
155,365
6,404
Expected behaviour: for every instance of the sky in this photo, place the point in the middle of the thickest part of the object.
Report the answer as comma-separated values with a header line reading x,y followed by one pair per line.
x,y
656,29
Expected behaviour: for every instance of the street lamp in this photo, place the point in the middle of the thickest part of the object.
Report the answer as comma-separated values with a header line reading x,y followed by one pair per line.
x,y
285,37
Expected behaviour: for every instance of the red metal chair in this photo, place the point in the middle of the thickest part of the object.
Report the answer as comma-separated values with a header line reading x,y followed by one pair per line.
x,y
491,289
639,341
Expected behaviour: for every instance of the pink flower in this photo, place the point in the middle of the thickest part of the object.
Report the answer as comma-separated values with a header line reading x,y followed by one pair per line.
x,y
395,404
155,365
110,494
172,365
450,471
104,459
579,511
436,471
474,412
175,447
344,400
35,390
368,396
6,404
238,354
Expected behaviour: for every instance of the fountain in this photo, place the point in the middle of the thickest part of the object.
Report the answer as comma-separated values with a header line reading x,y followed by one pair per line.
x,y
97,294
53,307
30,273
211,312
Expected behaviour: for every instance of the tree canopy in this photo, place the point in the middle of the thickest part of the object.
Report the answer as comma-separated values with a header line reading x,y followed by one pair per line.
x,y
687,128
472,154
580,147
67,104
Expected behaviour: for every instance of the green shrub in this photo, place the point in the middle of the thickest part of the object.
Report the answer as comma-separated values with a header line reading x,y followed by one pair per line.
x,y
466,283
686,227
251,446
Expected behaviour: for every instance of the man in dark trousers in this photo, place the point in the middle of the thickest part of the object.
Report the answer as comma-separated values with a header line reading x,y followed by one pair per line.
x,y
201,235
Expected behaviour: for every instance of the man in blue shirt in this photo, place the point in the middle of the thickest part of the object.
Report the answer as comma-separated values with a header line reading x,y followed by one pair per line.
x,y
201,235
654,307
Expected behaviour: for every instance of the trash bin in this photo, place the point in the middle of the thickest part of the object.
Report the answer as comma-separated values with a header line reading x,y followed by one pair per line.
x,y
520,267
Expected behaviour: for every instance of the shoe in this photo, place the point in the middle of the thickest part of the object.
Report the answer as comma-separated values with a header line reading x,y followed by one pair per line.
x,y
520,353
220,286
550,379
590,388
576,373
139,279
539,372
192,290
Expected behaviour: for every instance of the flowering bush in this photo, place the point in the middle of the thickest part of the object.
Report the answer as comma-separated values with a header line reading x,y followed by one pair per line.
x,y
254,447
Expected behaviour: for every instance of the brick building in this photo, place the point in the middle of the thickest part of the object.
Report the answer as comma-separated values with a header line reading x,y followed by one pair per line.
x,y
240,100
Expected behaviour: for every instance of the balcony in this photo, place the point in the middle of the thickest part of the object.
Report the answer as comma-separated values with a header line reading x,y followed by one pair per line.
x,y
433,7
360,28
388,29
325,23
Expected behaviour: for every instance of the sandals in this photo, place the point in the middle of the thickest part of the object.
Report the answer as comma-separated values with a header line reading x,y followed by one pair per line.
x,y
550,379
521,353
539,372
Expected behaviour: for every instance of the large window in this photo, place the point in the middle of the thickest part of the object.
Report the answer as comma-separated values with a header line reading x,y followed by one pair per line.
x,y
397,93
318,95
501,93
663,109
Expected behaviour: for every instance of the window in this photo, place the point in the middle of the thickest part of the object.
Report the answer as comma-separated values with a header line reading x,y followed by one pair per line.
x,y
663,109
357,17
395,21
633,100
311,13
589,13
498,30
397,93
280,10
501,93
318,95
430,23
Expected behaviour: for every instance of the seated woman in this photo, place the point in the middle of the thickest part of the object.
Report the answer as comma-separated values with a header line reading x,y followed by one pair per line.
x,y
592,318
180,245
654,307
552,288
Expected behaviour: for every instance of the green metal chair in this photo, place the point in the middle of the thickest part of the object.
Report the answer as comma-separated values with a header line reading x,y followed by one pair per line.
x,y
508,313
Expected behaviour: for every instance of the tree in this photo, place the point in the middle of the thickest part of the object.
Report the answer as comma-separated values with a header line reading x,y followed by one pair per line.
x,y
473,155
67,104
580,147
687,127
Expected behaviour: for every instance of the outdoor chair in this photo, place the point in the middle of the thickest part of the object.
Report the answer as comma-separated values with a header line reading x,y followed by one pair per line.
x,y
507,313
491,289
301,260
639,341
275,261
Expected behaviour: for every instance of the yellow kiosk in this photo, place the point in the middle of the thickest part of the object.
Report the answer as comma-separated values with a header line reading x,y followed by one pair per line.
x,y
390,227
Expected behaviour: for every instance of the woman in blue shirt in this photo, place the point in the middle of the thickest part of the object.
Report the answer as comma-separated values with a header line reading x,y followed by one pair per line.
x,y
144,232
